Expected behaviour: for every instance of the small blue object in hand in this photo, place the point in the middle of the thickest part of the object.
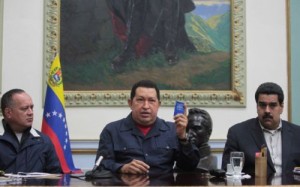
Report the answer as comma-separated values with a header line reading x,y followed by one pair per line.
x,y
179,108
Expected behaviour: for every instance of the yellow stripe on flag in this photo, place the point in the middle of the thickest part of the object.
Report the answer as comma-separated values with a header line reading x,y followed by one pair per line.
x,y
55,80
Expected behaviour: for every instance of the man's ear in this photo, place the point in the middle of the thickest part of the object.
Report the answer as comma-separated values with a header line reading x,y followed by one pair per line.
x,y
282,105
7,112
129,101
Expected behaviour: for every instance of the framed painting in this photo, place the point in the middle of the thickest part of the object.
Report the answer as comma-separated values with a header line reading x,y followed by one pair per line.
x,y
193,49
293,44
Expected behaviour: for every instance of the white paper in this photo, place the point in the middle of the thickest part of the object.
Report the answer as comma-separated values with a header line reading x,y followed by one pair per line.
x,y
31,175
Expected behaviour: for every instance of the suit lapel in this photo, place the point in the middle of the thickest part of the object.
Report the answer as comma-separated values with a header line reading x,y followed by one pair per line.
x,y
258,135
286,137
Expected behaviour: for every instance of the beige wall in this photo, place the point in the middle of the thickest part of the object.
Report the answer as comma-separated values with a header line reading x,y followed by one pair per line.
x,y
22,58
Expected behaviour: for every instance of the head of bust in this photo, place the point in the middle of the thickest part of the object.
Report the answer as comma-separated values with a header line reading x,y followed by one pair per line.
x,y
199,126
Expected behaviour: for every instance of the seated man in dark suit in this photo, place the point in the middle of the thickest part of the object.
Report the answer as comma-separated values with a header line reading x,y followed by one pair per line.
x,y
281,137
199,130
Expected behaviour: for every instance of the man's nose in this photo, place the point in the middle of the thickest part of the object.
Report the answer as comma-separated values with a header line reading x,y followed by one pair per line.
x,y
146,104
268,109
30,111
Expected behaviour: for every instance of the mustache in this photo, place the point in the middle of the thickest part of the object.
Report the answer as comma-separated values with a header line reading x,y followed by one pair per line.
x,y
267,115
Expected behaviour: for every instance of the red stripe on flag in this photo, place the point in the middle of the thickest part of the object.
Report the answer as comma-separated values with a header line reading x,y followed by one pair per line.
x,y
59,151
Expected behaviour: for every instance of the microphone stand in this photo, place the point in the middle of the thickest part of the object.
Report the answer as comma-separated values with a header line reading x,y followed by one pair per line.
x,y
96,172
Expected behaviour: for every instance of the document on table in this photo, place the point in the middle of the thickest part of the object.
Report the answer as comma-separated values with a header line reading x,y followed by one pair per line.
x,y
32,175
4,180
297,170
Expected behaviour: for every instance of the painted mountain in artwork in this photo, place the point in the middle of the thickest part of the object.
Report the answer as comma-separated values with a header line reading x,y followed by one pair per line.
x,y
210,35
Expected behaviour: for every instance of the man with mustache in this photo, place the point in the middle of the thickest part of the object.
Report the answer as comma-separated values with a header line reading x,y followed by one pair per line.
x,y
143,143
23,148
268,129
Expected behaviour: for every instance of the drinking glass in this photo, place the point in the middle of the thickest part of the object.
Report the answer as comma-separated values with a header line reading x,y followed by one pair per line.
x,y
237,161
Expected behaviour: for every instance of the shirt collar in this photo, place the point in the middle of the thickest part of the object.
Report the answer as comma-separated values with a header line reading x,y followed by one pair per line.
x,y
33,131
271,131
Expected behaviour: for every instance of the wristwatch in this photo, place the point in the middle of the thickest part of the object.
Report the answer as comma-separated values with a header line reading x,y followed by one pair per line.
x,y
185,139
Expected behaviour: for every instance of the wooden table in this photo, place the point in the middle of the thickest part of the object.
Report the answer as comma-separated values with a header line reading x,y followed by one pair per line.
x,y
176,179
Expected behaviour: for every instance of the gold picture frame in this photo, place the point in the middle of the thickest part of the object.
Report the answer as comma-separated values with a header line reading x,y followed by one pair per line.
x,y
235,97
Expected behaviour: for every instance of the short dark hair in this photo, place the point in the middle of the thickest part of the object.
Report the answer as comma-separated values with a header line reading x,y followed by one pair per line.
x,y
145,84
6,99
270,88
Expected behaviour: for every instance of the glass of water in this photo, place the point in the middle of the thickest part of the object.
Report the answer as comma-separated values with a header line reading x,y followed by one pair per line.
x,y
237,162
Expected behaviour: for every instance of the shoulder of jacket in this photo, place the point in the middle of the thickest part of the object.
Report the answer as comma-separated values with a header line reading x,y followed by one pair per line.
x,y
289,124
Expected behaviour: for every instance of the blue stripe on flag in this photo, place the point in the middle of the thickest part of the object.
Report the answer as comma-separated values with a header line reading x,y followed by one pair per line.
x,y
54,114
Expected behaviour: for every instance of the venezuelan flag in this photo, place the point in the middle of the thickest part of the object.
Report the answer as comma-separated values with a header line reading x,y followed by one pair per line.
x,y
54,118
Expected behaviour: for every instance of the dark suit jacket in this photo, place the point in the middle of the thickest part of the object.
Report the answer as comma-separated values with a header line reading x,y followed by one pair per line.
x,y
248,137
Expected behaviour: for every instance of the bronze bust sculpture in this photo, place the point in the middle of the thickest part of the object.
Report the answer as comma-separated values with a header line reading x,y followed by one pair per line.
x,y
199,130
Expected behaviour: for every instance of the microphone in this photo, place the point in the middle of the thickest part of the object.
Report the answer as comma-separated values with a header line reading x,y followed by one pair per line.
x,y
97,163
96,172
